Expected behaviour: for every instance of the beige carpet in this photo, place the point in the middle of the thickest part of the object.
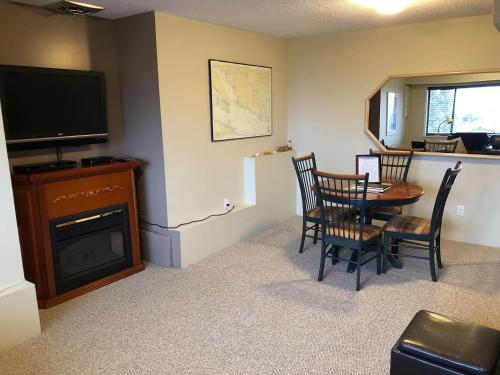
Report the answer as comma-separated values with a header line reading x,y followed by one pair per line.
x,y
256,308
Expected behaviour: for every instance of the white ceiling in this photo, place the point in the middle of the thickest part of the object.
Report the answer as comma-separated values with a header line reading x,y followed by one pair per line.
x,y
291,18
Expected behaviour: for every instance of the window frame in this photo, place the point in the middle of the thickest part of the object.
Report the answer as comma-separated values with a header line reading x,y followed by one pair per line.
x,y
455,86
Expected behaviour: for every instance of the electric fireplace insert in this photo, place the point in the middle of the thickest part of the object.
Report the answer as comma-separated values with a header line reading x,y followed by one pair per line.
x,y
90,245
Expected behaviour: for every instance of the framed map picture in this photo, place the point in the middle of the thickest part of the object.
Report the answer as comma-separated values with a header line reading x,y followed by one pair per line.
x,y
240,100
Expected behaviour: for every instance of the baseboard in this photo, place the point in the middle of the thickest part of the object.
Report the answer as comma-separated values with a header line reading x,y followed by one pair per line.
x,y
19,320
155,247
194,243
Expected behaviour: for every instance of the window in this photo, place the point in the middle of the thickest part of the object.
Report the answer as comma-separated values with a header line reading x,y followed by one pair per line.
x,y
457,109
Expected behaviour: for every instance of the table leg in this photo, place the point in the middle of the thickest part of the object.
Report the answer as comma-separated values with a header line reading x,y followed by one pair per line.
x,y
393,260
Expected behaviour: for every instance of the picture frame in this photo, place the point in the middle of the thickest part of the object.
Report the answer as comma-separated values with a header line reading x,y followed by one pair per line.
x,y
371,164
240,100
392,114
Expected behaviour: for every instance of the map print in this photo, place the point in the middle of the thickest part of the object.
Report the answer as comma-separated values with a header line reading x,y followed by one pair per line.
x,y
241,100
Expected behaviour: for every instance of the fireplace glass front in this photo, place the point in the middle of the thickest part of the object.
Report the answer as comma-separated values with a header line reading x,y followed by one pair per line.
x,y
90,245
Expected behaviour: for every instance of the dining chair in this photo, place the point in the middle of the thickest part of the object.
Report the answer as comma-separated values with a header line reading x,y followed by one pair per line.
x,y
394,167
343,194
413,232
441,146
310,210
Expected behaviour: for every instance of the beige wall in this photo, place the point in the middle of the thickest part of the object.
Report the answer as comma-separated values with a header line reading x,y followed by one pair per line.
x,y
33,37
417,115
18,309
200,174
330,76
270,200
11,266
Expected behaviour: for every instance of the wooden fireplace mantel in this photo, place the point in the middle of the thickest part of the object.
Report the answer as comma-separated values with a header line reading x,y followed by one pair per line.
x,y
41,197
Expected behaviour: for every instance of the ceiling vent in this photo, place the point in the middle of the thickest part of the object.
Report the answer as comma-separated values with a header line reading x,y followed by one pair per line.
x,y
74,8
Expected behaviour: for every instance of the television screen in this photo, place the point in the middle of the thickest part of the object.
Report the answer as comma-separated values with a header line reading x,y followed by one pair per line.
x,y
52,107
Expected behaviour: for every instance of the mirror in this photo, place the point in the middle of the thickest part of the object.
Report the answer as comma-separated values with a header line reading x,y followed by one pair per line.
x,y
454,113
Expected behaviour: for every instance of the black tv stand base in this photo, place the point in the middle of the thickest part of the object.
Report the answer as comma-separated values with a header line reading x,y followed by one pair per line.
x,y
43,167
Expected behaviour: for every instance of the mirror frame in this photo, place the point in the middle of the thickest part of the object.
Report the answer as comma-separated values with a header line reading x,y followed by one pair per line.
x,y
410,75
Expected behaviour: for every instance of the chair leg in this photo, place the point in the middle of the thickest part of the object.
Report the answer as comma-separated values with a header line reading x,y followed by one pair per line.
x,y
335,255
438,251
379,256
322,261
358,271
385,249
431,261
304,225
395,248
316,230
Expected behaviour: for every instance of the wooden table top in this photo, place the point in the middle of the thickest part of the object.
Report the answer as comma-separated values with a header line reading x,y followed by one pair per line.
x,y
399,194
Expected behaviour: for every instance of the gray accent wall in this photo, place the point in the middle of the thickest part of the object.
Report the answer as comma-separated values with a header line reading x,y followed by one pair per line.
x,y
143,136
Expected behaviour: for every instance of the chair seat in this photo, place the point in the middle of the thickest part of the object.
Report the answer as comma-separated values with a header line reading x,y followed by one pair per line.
x,y
408,224
459,345
369,231
392,210
315,213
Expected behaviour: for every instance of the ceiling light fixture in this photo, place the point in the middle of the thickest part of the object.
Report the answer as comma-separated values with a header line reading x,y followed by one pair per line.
x,y
387,6
74,8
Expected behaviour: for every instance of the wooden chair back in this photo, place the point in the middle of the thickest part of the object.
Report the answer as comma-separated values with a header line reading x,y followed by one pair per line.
x,y
441,146
442,196
339,196
304,167
394,165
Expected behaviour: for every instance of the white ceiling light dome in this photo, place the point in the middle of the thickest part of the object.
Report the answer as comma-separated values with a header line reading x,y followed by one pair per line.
x,y
387,6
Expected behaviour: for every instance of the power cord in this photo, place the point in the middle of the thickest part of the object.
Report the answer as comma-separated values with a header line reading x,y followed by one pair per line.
x,y
189,222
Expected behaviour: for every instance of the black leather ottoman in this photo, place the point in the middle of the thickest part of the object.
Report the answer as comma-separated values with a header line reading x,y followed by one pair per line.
x,y
434,344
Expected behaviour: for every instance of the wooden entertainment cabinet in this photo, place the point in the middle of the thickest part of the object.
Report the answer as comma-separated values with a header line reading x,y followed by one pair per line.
x,y
44,199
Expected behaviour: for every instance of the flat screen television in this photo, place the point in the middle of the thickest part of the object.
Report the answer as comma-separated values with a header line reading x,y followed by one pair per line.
x,y
44,107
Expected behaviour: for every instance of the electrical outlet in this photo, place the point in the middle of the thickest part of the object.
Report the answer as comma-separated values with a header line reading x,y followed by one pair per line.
x,y
460,210
227,204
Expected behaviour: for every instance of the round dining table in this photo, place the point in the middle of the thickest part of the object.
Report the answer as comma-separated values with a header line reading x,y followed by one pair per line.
x,y
400,193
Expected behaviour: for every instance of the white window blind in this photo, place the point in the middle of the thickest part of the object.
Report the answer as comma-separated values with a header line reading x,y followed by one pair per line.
x,y
457,109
